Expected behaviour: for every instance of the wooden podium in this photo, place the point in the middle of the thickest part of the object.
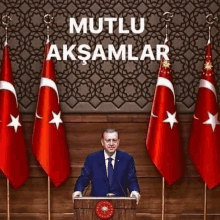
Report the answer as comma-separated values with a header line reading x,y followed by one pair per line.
x,y
124,208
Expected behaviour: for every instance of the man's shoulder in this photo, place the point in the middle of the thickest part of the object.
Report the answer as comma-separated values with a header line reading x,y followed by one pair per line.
x,y
124,154
95,154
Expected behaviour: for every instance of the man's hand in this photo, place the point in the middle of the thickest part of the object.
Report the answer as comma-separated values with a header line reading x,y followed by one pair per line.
x,y
76,194
136,195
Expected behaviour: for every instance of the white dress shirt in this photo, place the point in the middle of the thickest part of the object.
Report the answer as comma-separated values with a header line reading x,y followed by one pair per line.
x,y
106,160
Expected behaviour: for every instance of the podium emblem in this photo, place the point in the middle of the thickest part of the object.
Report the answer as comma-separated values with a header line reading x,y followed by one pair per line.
x,y
104,210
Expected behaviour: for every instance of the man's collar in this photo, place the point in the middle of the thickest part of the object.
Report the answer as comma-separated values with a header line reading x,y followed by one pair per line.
x,y
107,156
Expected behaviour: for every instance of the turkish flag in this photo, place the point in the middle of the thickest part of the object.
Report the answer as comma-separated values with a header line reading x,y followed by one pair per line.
x,y
163,141
49,138
204,141
13,151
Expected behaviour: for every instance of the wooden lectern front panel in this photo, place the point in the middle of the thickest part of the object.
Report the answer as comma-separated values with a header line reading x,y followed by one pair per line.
x,y
124,208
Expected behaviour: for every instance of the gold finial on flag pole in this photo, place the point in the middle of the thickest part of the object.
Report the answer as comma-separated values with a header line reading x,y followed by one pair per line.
x,y
210,20
5,21
48,20
167,17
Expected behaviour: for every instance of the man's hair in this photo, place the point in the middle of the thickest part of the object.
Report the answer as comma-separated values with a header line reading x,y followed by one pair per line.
x,y
109,130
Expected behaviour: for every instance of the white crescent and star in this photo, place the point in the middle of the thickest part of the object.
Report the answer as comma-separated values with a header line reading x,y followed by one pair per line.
x,y
213,120
195,117
208,85
161,81
37,116
48,83
4,85
56,119
14,123
166,82
171,118
153,115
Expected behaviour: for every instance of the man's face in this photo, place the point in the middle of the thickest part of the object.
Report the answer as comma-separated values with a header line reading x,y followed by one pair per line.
x,y
110,142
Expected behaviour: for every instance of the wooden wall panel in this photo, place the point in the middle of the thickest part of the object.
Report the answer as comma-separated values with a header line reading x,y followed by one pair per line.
x,y
28,216
30,198
213,217
61,197
63,216
140,216
132,137
213,197
149,216
3,216
182,196
84,138
3,195
183,200
38,216
151,191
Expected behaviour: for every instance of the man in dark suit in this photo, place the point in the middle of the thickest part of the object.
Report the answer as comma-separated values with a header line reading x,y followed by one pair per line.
x,y
109,170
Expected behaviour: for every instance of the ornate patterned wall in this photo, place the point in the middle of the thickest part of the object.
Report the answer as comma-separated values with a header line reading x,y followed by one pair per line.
x,y
110,86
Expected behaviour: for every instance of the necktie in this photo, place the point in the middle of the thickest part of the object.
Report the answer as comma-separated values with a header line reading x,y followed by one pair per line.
x,y
110,170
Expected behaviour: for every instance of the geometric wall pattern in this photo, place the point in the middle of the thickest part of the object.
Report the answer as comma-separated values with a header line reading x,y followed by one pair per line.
x,y
110,86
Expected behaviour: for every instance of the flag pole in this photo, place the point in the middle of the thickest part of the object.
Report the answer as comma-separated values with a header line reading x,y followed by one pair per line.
x,y
210,20
163,198
48,208
8,201
205,202
5,21
167,16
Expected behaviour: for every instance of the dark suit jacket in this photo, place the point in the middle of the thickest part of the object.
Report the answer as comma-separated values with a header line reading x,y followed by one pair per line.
x,y
94,170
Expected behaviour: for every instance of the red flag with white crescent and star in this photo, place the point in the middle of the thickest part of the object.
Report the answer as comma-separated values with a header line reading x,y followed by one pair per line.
x,y
13,151
163,141
204,141
49,138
